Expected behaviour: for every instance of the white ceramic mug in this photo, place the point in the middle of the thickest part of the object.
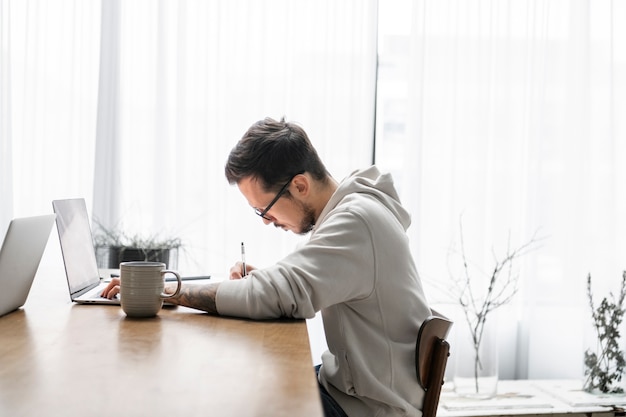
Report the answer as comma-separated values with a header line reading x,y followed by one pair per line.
x,y
141,287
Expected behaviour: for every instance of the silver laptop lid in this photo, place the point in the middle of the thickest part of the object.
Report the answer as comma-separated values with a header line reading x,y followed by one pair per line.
x,y
79,256
21,253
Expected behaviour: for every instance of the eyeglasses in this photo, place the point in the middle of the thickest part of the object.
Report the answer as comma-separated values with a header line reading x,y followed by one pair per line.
x,y
263,213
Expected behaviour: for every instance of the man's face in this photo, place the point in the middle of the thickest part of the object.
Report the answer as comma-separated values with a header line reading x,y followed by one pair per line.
x,y
287,213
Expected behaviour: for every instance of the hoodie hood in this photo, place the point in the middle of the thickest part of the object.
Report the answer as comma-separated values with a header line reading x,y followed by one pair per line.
x,y
370,181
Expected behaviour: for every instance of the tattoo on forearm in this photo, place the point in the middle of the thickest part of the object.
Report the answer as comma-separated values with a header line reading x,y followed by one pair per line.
x,y
201,297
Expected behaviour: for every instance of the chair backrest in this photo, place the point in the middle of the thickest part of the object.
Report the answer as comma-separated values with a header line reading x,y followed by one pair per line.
x,y
431,356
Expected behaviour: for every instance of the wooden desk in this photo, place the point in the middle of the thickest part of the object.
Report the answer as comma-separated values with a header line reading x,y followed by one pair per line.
x,y
57,358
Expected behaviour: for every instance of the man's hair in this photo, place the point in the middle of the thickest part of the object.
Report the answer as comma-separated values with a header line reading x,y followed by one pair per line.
x,y
273,152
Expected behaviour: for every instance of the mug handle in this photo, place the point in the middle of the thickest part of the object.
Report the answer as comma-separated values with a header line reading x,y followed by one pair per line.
x,y
178,280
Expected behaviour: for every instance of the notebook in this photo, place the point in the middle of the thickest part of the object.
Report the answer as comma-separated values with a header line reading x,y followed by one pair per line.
x,y
21,253
79,256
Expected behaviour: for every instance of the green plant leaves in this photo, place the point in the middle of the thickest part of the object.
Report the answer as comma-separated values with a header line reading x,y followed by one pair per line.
x,y
605,367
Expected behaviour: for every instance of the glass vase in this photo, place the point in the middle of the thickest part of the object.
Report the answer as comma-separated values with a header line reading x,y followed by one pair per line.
x,y
476,364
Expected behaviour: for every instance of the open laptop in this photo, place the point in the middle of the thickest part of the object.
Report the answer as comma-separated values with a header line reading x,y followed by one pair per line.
x,y
79,256
21,253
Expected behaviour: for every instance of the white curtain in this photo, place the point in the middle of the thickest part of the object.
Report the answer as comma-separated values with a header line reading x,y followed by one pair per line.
x,y
180,84
6,152
512,116
48,87
135,105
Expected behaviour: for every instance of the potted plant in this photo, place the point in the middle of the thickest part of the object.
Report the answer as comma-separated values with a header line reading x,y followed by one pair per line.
x,y
113,246
604,366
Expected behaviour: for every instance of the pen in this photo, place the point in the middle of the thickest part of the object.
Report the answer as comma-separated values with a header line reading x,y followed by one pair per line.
x,y
243,260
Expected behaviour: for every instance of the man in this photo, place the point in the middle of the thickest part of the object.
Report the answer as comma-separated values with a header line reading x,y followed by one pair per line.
x,y
356,269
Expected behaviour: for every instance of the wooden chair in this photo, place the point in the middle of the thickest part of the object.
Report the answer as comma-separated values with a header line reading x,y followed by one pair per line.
x,y
431,356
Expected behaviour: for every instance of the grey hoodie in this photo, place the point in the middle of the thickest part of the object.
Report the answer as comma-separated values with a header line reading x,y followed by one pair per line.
x,y
358,271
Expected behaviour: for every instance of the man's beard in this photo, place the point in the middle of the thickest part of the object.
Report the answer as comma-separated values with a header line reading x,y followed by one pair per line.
x,y
308,219
306,224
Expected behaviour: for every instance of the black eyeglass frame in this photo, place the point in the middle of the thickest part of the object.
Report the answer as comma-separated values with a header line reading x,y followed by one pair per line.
x,y
262,213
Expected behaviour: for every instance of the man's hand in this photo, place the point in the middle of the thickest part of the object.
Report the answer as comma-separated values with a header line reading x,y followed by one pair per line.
x,y
112,289
236,271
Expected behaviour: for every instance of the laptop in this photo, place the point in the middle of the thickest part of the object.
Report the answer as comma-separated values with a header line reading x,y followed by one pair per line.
x,y
79,255
21,253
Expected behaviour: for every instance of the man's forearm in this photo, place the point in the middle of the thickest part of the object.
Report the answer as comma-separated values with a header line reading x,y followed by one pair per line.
x,y
200,297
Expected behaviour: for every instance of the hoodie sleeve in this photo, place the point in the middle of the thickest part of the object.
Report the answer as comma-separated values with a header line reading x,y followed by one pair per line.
x,y
335,265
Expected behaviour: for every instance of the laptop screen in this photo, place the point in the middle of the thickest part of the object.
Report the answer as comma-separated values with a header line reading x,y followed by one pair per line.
x,y
20,255
76,242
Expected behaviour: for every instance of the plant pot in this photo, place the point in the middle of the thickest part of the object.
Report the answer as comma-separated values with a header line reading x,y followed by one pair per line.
x,y
110,257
